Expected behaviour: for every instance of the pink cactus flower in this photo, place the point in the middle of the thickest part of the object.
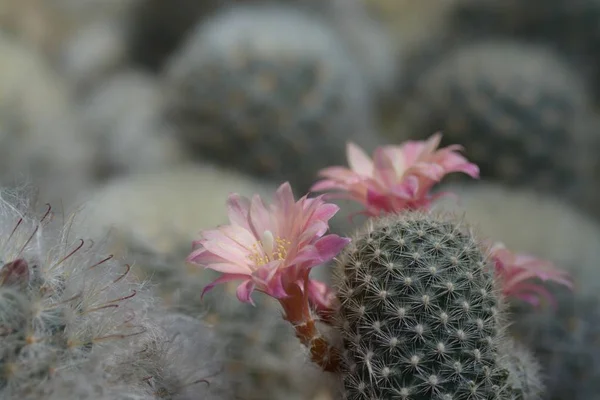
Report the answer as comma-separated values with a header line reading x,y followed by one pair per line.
x,y
518,274
270,248
397,178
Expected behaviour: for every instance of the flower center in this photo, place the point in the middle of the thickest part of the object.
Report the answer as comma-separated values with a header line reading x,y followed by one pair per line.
x,y
268,249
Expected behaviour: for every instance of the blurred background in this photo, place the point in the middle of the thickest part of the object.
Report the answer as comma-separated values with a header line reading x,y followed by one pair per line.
x,y
95,92
150,112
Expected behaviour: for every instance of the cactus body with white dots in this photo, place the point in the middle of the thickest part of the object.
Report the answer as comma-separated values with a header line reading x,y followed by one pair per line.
x,y
420,315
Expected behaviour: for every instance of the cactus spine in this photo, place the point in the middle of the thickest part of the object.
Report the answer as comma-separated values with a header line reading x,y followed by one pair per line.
x,y
420,317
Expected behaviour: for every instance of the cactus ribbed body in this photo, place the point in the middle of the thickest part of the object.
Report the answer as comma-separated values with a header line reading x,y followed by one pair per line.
x,y
515,107
565,341
568,25
420,316
269,91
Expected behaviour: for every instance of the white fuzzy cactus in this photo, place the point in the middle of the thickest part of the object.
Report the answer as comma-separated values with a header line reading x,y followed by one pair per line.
x,y
183,360
62,299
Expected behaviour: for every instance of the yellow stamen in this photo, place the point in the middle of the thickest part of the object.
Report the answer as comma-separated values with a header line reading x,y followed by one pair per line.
x,y
281,249
269,249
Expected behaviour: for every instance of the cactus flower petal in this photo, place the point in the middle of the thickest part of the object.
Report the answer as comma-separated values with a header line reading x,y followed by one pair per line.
x,y
223,279
518,274
397,178
268,247
244,291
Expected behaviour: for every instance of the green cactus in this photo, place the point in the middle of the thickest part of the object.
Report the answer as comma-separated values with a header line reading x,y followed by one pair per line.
x,y
420,315
517,109
566,25
270,91
565,340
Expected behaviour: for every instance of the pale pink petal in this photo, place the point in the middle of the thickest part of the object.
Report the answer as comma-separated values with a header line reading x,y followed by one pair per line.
x,y
418,150
341,196
229,268
268,271
263,273
410,152
330,246
514,276
260,218
449,157
309,257
315,229
242,237
326,211
518,273
453,148
432,143
212,234
532,293
227,252
275,287
407,189
304,218
284,197
238,210
326,185
434,172
285,216
452,161
358,160
244,291
384,168
233,235
397,159
222,279
202,256
339,173
470,169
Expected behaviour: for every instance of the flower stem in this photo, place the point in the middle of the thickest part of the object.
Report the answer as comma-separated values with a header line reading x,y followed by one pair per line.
x,y
298,313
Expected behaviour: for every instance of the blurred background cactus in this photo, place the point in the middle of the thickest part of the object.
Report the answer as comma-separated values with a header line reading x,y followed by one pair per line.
x,y
270,91
38,124
141,116
520,124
